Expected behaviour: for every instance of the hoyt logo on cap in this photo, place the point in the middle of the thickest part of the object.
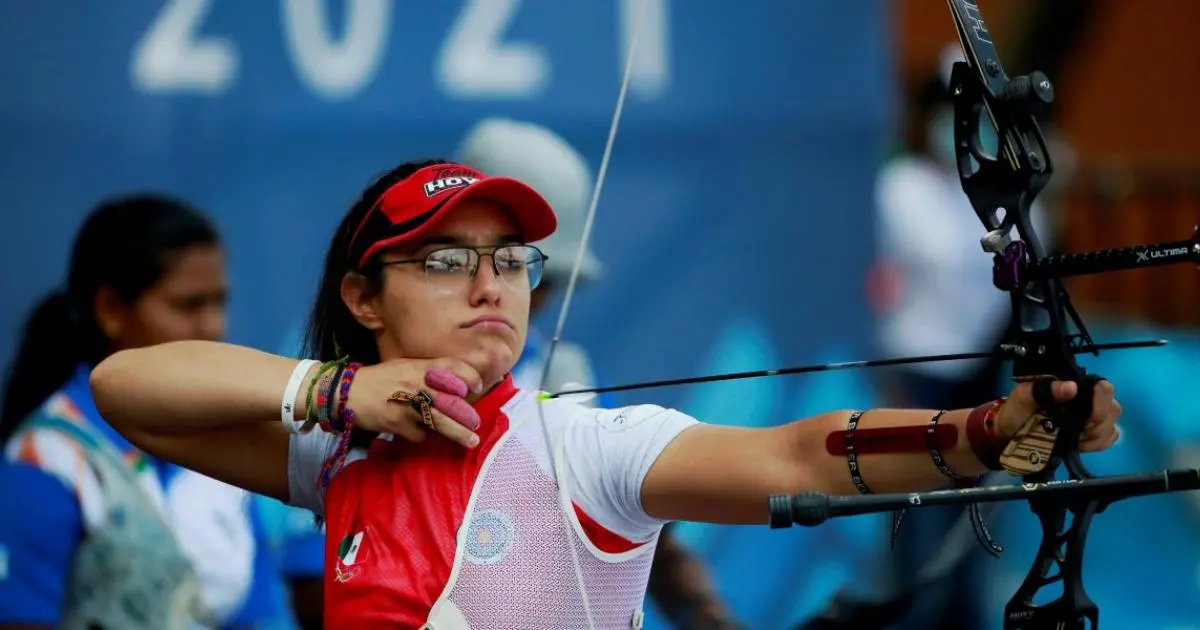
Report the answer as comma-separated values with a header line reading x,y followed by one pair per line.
x,y
442,184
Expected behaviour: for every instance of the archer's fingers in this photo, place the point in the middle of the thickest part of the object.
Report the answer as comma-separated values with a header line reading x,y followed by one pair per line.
x,y
462,370
1063,390
444,380
1100,428
456,409
1102,401
452,429
408,426
1112,414
1100,442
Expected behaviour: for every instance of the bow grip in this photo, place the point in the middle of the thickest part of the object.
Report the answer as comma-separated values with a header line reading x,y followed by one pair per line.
x,y
1033,445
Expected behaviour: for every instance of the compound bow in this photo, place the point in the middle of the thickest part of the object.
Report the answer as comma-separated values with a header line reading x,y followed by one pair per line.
x,y
1043,346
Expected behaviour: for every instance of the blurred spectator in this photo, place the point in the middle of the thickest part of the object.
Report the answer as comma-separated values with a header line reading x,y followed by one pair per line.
x,y
296,549
100,534
679,583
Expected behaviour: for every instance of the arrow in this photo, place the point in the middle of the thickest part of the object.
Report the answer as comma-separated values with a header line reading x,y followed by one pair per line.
x,y
1002,351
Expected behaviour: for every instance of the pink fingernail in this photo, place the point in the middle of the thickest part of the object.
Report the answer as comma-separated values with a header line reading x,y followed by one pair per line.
x,y
458,410
445,380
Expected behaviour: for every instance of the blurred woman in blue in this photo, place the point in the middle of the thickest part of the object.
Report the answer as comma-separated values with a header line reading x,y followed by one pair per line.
x,y
100,535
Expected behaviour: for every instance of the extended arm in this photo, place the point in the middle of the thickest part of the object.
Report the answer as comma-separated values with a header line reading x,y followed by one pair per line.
x,y
723,474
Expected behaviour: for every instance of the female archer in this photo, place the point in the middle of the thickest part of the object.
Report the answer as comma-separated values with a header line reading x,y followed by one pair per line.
x,y
451,497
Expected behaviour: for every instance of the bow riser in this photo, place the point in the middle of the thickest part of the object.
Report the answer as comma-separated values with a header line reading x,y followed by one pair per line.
x,y
1002,189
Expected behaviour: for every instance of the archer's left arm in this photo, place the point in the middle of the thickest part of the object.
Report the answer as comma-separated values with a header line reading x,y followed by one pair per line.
x,y
722,474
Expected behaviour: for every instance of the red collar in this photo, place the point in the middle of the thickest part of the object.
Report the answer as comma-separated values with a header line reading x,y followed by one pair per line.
x,y
488,406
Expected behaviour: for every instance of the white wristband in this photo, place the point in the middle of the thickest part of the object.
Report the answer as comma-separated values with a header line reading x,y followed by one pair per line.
x,y
287,407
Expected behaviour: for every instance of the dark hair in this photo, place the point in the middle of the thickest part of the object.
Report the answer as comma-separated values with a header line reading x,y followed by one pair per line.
x,y
127,244
333,332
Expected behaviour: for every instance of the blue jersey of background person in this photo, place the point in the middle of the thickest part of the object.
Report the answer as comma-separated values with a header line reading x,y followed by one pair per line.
x,y
33,577
144,269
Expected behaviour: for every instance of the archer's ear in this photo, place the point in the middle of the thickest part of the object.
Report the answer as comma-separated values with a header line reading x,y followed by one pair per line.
x,y
363,301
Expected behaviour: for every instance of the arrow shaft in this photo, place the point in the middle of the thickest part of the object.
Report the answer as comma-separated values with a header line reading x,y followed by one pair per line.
x,y
842,365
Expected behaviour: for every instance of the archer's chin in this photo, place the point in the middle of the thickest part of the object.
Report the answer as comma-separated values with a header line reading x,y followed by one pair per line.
x,y
492,359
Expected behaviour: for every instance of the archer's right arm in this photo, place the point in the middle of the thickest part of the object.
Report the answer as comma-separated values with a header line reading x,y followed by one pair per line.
x,y
215,407
211,407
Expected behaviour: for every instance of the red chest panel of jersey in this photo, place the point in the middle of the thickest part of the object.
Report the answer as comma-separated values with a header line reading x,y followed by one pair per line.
x,y
391,521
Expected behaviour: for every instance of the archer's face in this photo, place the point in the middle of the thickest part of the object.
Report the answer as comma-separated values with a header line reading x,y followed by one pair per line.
x,y
482,320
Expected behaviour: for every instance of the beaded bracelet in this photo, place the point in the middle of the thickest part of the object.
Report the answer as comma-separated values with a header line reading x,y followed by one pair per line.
x,y
327,409
335,421
311,410
344,426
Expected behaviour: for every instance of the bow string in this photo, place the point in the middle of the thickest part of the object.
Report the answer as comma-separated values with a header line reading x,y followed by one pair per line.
x,y
576,268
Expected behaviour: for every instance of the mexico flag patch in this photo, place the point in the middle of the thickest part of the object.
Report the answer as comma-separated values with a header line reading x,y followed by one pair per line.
x,y
350,549
350,552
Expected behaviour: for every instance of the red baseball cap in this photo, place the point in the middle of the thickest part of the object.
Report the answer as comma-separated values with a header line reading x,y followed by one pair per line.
x,y
410,207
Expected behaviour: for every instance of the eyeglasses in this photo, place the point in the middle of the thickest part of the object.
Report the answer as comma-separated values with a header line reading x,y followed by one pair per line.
x,y
450,268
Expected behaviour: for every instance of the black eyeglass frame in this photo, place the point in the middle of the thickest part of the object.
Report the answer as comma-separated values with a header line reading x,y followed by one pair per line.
x,y
479,252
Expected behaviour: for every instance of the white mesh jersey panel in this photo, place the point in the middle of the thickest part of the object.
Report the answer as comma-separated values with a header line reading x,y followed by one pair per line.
x,y
514,567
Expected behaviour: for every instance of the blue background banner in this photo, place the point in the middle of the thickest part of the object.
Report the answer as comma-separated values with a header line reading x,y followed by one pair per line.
x,y
228,116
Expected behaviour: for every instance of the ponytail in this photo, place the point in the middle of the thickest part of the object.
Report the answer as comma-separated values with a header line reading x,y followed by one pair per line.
x,y
52,346
127,244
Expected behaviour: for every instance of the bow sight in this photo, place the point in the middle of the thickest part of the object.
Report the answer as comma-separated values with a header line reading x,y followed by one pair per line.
x,y
1001,189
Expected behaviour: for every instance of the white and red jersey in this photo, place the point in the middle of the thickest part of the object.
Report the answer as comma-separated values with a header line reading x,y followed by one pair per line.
x,y
433,533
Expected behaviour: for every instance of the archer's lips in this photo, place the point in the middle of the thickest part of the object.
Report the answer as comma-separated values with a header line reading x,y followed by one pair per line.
x,y
492,323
